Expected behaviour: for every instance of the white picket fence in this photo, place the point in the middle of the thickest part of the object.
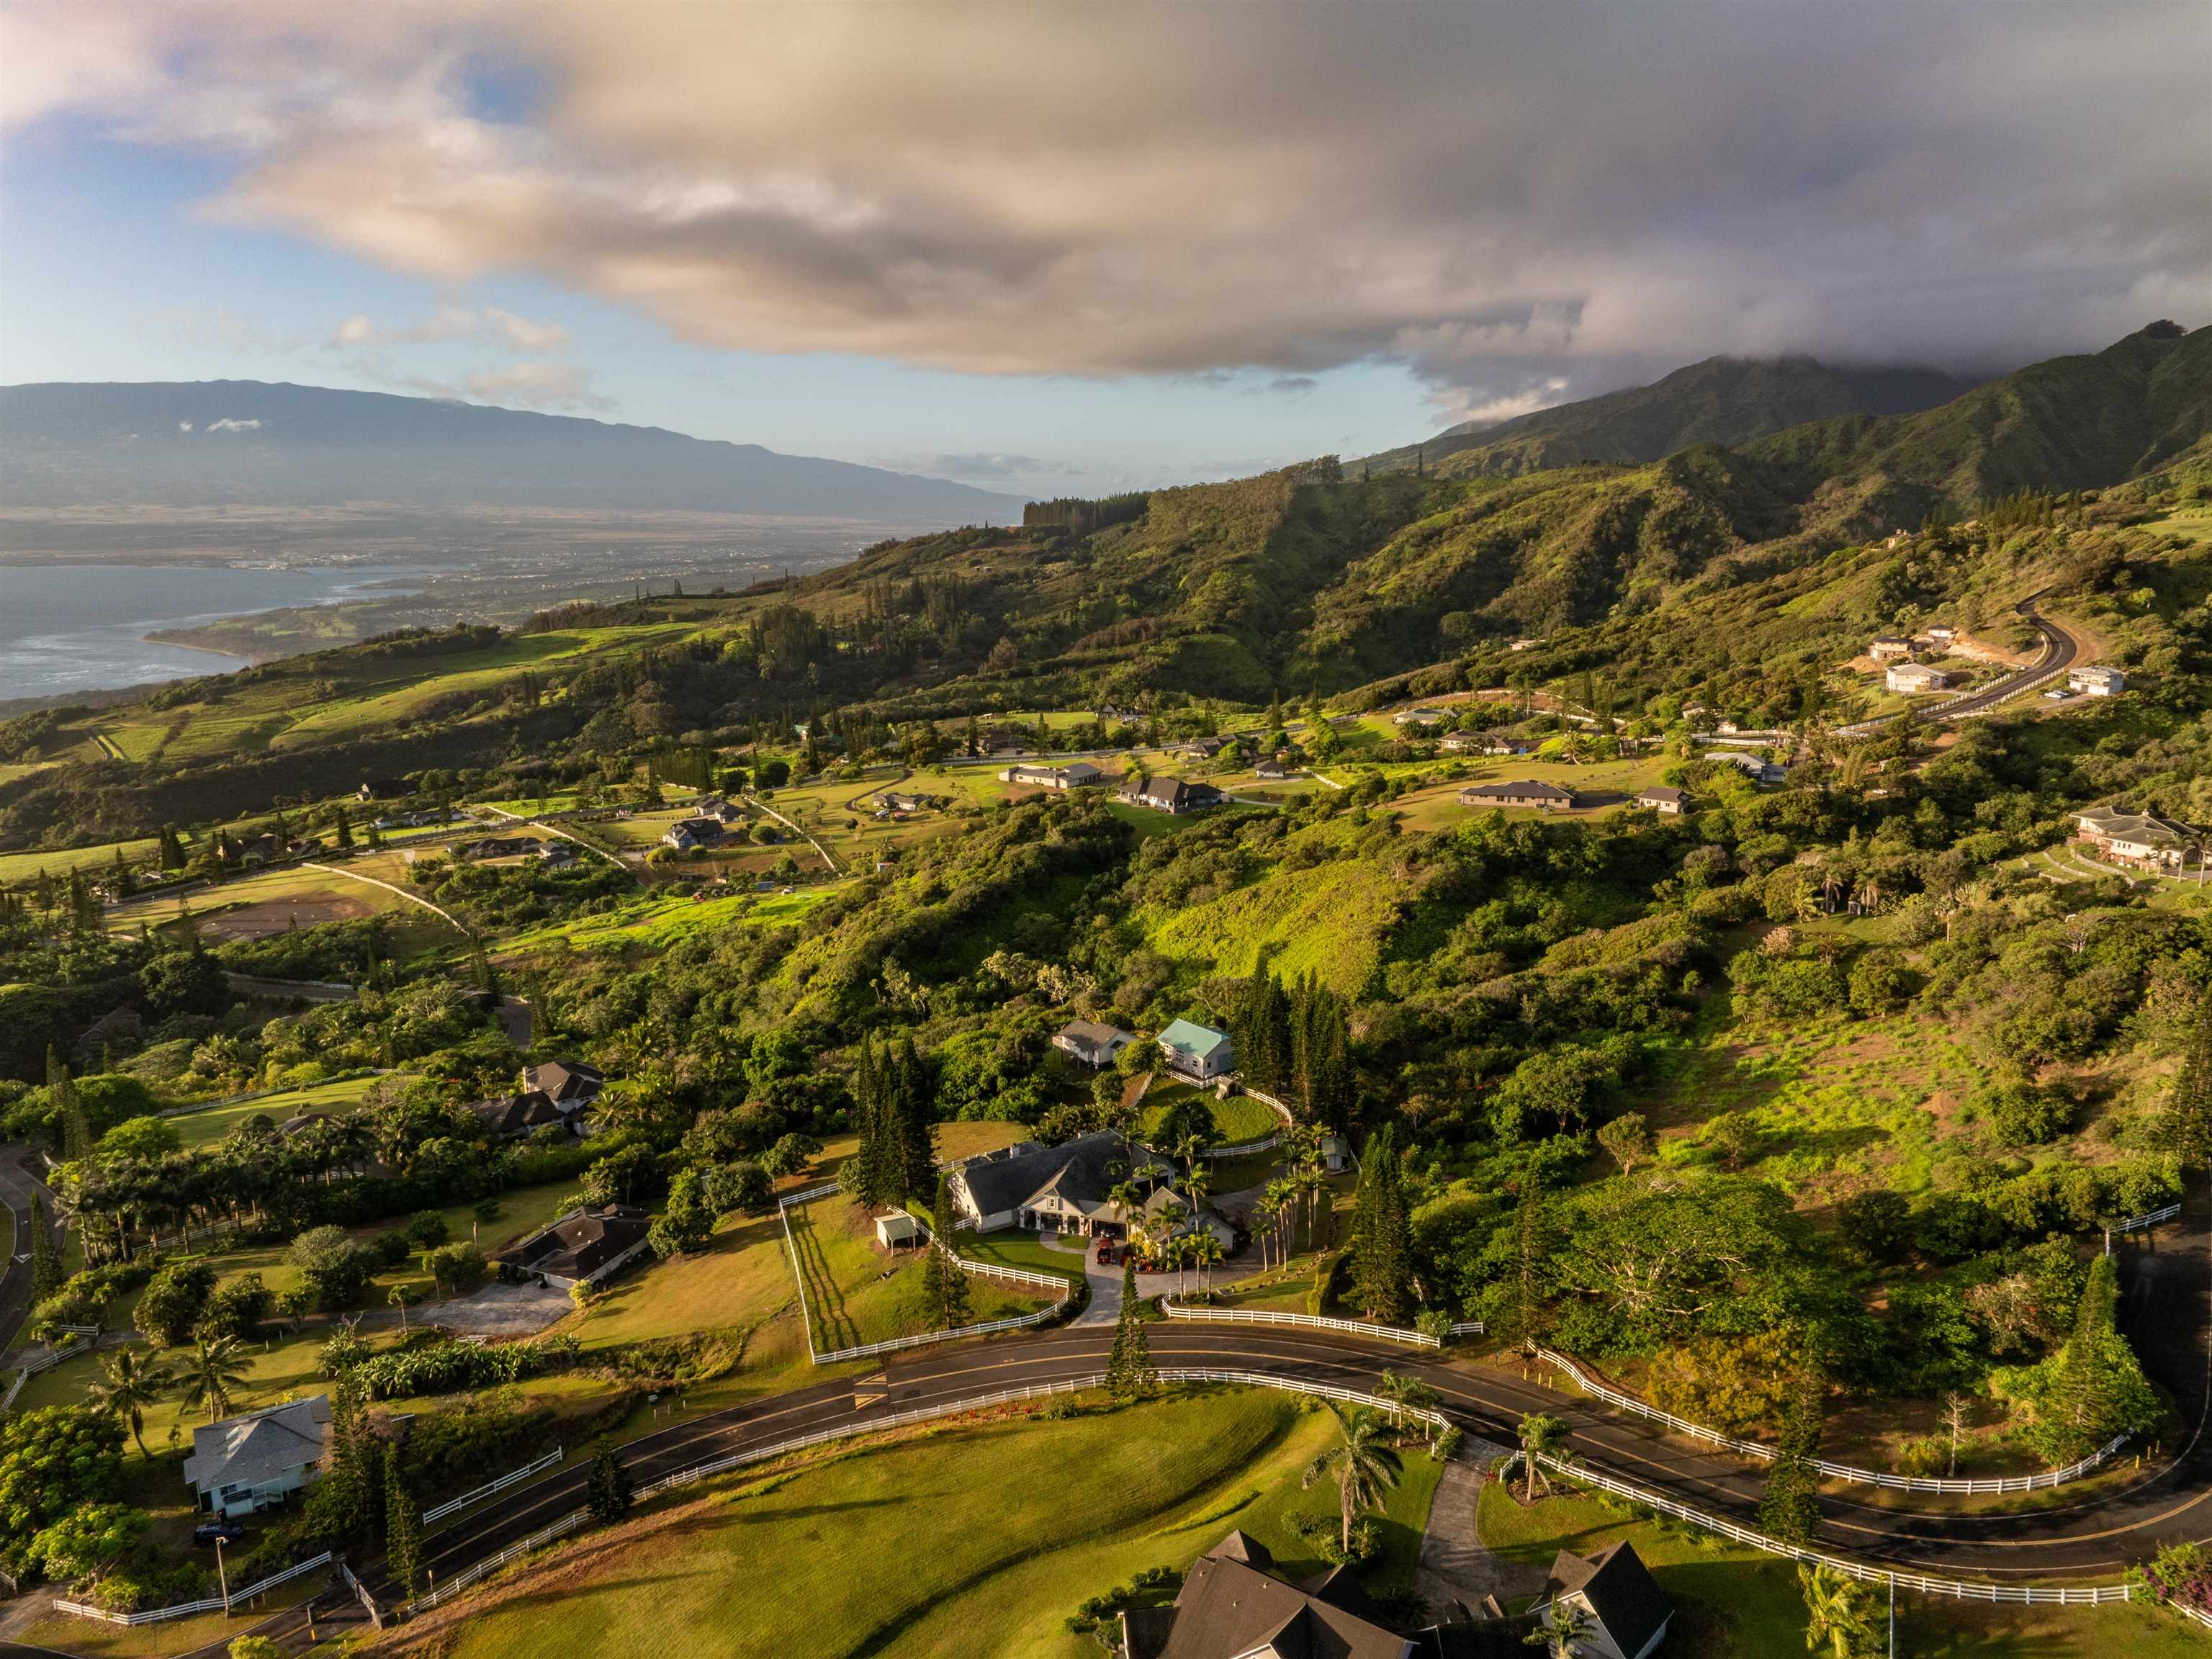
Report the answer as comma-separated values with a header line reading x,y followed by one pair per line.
x,y
439,1512
894,1345
72,1344
1958,1589
1265,1143
1174,1310
1766,1454
185,1609
1467,1327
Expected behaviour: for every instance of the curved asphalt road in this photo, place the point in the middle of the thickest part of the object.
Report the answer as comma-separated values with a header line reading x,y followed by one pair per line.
x,y
2168,1292
2060,648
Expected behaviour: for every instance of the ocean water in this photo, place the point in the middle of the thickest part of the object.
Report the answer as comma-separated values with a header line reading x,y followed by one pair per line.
x,y
67,627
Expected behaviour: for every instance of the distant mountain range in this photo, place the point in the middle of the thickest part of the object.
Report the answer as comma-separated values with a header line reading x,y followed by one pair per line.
x,y
1721,400
209,443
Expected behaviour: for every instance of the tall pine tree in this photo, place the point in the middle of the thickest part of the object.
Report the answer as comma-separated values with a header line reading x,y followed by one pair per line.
x,y
1789,1509
608,1493
70,1126
2189,1109
1382,1247
945,1281
1129,1371
402,1531
916,1126
45,1260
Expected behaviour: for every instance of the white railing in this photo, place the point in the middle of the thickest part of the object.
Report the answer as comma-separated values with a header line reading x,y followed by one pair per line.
x,y
1265,1143
1766,1454
1466,1328
2136,1222
8,1400
469,1576
439,1512
360,1593
1174,1310
1066,1288
1961,1590
68,1349
185,1609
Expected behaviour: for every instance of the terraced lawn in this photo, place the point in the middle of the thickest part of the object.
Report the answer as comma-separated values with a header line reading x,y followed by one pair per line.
x,y
213,1123
944,1545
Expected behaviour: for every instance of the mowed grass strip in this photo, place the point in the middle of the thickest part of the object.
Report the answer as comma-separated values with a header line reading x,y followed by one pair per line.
x,y
858,1293
204,1129
973,1541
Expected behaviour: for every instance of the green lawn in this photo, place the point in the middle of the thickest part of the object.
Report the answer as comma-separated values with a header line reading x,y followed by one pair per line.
x,y
1329,919
91,1639
1239,1118
23,866
858,1293
1733,1602
941,1546
204,1128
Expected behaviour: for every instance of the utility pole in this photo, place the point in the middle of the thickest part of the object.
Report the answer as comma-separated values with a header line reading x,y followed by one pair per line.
x,y
1893,1618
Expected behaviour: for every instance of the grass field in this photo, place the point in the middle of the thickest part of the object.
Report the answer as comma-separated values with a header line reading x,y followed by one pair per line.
x,y
858,1293
204,1128
269,902
90,1638
24,866
1732,1602
650,921
941,1546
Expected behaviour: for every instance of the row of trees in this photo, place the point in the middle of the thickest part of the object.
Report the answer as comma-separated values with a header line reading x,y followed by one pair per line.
x,y
1296,1041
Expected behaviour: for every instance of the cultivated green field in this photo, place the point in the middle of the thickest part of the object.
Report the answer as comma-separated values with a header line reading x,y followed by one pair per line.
x,y
24,866
1007,1555
204,1128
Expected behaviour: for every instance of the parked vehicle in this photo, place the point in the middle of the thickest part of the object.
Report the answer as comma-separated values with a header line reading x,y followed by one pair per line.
x,y
208,1533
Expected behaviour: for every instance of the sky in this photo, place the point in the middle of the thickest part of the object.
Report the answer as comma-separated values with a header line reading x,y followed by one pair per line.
x,y
1067,248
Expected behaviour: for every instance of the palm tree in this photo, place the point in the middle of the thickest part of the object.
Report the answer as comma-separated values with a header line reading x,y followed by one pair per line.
x,y
1406,1393
1188,1146
215,1367
1206,1250
1541,1437
1361,1463
133,1383
1128,1201
1278,1203
1564,1623
1839,1613
1312,1177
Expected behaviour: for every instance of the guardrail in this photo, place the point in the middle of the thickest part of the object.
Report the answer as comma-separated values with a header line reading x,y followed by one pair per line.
x,y
1765,1454
2081,1595
439,1512
1174,1310
896,1344
185,1609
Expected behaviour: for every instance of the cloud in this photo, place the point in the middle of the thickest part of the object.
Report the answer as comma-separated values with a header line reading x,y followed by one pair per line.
x,y
524,334
184,426
1498,195
536,383
227,424
451,322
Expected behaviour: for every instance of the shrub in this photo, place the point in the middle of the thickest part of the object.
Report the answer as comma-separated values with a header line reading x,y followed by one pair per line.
x,y
426,1229
173,1300
2026,1114
455,1267
444,1367
237,1308
332,1266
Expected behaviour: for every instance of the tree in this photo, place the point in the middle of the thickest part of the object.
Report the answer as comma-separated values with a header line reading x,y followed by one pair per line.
x,y
1839,1613
2188,1108
45,1261
1560,1629
1362,1463
689,1221
402,1531
130,1383
1627,1139
1129,1371
333,1267
254,1647
607,1490
173,1301
455,1267
53,1459
1790,1508
88,1540
172,850
214,1367
945,1281
1541,1436
1382,1247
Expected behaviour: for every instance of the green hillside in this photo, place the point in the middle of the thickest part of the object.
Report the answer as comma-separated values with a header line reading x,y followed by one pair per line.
x,y
1721,400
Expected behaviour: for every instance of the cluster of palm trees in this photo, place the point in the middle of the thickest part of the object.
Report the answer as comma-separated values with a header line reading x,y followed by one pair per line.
x,y
1295,1205
113,1198
207,1375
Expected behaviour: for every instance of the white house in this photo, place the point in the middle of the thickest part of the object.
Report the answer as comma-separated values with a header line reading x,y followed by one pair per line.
x,y
1197,1051
243,1465
1628,1612
2141,841
1889,647
1094,1044
2098,681
1076,775
1663,798
1914,678
1424,718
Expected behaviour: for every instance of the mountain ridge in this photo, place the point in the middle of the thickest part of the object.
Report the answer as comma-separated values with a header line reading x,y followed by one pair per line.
x,y
183,443
1724,399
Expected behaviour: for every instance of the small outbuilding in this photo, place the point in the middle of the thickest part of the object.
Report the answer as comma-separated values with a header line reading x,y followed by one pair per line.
x,y
897,1231
1664,798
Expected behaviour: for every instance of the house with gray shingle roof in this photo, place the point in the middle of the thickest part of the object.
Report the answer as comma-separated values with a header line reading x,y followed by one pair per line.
x,y
245,1464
